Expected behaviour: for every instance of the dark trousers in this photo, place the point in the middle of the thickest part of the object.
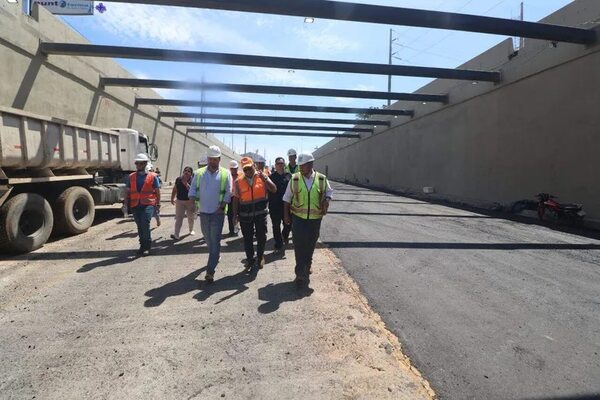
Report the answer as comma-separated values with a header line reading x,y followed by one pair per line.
x,y
230,219
278,235
250,225
306,234
142,215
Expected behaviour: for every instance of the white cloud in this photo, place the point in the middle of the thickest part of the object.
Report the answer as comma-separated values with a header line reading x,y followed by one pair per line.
x,y
323,38
172,26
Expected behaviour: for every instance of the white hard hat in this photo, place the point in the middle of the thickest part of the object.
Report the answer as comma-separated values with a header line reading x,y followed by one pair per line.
x,y
141,157
305,158
291,152
214,152
233,164
203,160
260,159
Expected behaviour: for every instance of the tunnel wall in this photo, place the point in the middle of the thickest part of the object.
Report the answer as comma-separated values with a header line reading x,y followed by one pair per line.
x,y
68,88
537,131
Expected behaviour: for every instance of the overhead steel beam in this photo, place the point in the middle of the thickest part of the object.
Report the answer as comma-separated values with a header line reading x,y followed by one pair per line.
x,y
201,116
285,127
260,106
142,53
271,133
386,15
263,89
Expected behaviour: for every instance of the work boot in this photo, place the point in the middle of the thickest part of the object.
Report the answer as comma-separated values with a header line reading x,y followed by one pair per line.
x,y
260,263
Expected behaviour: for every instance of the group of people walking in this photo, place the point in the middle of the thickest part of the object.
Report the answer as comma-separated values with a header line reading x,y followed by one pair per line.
x,y
294,195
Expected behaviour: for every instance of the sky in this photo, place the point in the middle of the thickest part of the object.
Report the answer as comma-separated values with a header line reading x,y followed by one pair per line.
x,y
261,34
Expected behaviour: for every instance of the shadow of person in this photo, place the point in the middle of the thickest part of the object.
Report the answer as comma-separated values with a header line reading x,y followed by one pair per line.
x,y
274,255
276,294
124,258
237,283
176,288
124,235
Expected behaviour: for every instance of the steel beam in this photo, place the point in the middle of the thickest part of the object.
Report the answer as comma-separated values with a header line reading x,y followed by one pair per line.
x,y
271,133
387,15
263,89
285,127
142,53
171,114
260,106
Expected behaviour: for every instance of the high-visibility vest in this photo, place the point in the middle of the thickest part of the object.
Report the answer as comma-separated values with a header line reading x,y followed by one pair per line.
x,y
146,196
253,200
306,204
291,170
224,174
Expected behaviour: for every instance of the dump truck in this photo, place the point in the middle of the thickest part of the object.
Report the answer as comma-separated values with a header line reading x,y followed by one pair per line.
x,y
53,173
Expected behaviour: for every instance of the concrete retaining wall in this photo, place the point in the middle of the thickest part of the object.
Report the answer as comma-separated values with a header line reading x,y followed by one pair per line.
x,y
67,88
539,130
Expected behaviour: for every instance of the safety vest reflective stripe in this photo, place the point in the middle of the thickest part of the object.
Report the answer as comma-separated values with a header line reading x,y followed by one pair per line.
x,y
306,203
146,196
223,188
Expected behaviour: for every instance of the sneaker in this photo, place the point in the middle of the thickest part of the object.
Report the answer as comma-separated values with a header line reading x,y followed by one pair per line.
x,y
248,265
174,236
209,278
192,233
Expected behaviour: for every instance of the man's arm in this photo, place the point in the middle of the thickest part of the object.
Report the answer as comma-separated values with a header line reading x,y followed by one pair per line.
x,y
287,199
271,187
173,193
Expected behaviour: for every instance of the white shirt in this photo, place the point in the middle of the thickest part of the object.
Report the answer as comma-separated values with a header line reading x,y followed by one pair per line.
x,y
287,197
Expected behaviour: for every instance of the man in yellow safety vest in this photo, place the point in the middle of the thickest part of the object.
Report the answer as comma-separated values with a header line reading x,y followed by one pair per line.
x,y
307,200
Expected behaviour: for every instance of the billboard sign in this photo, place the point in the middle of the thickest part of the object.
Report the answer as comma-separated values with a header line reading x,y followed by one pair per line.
x,y
67,7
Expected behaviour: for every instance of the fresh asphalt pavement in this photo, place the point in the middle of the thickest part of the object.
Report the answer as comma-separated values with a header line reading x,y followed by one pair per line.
x,y
486,307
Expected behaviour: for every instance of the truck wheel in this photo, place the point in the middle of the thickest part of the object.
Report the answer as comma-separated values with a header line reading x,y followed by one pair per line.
x,y
74,210
25,223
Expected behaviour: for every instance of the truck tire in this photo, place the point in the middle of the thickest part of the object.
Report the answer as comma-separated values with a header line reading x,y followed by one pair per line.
x,y
26,223
74,211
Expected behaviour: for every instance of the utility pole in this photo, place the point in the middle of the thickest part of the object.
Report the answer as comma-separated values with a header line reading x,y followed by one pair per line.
x,y
245,143
389,101
522,40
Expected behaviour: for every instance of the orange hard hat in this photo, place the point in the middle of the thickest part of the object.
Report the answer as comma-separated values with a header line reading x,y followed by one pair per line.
x,y
246,162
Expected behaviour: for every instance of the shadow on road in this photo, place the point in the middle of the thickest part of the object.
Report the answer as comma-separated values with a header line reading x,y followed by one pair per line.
x,y
236,283
176,288
276,294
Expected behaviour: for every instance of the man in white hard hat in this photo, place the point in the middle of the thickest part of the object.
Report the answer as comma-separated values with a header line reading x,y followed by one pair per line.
x,y
307,200
292,167
211,190
259,163
233,170
143,199
203,161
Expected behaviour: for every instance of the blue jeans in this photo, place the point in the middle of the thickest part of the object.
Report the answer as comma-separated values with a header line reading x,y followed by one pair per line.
x,y
142,215
212,228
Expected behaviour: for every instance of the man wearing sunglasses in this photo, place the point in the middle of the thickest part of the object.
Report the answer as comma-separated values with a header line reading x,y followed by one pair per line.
x,y
250,207
143,198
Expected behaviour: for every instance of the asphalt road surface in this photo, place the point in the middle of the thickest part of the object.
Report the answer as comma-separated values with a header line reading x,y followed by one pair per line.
x,y
487,308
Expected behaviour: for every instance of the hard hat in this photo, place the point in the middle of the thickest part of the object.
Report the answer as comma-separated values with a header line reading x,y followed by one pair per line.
x,y
260,159
141,158
233,164
214,152
247,162
203,160
291,152
305,158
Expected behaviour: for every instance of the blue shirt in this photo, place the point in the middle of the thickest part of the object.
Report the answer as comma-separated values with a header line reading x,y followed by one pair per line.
x,y
140,178
210,191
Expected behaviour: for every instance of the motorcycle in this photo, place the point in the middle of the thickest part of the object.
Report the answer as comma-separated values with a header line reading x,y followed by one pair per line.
x,y
549,207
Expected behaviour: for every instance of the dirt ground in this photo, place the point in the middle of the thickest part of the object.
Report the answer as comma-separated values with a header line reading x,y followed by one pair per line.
x,y
83,318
